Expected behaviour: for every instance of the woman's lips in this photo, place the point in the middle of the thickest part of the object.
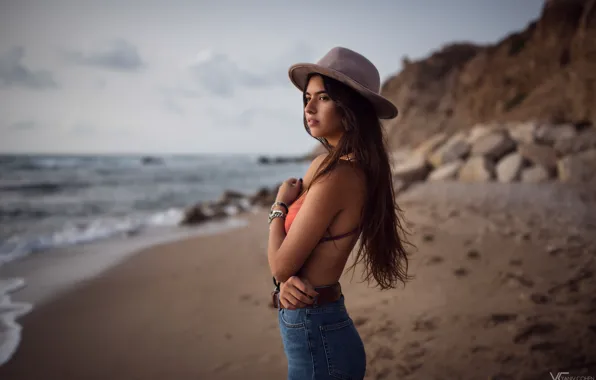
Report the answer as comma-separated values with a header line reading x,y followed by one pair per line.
x,y
312,122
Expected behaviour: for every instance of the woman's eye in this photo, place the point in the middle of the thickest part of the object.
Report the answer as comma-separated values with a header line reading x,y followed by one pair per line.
x,y
324,97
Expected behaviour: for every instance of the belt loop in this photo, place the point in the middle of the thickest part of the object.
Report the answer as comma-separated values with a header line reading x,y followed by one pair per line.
x,y
316,301
278,301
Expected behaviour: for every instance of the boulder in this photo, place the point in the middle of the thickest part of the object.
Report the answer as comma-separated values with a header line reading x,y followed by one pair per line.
x,y
493,145
446,172
456,147
429,146
414,169
478,131
230,196
579,168
194,215
399,155
535,174
509,168
264,197
542,155
477,169
549,134
583,141
523,133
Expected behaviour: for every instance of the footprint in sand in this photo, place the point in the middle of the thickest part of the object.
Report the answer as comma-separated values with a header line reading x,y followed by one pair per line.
x,y
543,346
245,297
407,369
428,237
384,352
515,262
434,260
360,321
539,299
479,348
473,254
425,324
461,272
534,329
496,319
515,279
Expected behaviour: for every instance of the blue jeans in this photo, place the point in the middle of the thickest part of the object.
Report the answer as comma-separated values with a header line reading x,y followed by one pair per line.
x,y
321,342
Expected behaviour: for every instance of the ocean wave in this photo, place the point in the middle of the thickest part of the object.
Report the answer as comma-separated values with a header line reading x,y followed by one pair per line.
x,y
41,187
10,331
77,233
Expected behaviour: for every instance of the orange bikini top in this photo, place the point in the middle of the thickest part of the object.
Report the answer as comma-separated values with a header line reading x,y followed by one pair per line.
x,y
293,211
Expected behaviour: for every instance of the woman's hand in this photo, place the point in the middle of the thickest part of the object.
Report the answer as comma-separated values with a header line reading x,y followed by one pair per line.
x,y
289,190
296,293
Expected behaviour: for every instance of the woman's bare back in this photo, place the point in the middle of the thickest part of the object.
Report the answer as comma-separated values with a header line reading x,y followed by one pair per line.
x,y
327,261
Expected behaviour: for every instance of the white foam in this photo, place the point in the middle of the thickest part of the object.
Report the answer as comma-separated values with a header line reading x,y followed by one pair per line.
x,y
10,330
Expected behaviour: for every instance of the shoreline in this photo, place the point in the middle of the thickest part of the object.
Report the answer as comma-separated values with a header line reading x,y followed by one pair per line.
x,y
35,280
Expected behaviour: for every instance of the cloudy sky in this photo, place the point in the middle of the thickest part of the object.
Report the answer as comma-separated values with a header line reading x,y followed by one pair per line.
x,y
123,76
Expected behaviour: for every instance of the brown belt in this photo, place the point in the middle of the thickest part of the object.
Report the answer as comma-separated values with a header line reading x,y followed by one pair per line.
x,y
327,294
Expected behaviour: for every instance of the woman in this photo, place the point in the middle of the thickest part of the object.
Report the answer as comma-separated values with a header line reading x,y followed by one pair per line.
x,y
315,223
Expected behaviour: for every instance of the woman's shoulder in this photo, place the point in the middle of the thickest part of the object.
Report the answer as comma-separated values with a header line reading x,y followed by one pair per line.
x,y
344,172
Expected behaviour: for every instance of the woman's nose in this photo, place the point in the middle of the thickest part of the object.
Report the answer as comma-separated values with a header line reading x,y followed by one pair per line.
x,y
310,108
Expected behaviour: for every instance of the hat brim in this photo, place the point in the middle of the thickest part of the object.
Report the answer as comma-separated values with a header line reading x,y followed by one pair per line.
x,y
299,72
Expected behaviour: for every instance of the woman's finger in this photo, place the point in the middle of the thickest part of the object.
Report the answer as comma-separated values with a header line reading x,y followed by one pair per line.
x,y
290,299
303,286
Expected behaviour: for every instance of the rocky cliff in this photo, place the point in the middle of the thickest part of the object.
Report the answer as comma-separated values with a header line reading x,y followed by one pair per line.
x,y
546,72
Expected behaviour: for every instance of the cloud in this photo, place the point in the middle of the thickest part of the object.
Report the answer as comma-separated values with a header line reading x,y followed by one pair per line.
x,y
14,73
22,126
220,75
119,55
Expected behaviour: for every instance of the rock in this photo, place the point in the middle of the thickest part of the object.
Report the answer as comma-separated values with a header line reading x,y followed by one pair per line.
x,y
550,134
478,131
542,155
535,174
229,196
585,140
149,160
493,145
447,171
509,168
578,168
264,197
413,169
476,169
523,133
456,147
194,215
400,155
429,146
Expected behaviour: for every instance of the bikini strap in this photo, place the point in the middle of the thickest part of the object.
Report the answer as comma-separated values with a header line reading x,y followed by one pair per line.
x,y
330,238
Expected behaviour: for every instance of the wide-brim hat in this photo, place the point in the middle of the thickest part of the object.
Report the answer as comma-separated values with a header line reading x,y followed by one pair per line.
x,y
352,69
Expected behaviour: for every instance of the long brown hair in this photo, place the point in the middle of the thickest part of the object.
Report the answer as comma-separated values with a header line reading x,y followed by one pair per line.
x,y
383,236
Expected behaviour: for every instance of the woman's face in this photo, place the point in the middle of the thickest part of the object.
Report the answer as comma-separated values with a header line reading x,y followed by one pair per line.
x,y
322,115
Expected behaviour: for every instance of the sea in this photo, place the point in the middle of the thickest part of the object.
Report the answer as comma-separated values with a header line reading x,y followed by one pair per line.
x,y
50,203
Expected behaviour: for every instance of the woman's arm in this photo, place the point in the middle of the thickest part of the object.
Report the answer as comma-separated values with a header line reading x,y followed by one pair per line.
x,y
287,253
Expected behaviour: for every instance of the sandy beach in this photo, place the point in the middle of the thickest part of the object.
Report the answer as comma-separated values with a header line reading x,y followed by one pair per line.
x,y
504,289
